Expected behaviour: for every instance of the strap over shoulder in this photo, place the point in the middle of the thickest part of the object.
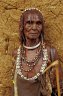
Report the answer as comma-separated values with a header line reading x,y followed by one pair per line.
x,y
52,53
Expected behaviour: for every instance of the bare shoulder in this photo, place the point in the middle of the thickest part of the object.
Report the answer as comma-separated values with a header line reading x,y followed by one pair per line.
x,y
52,51
15,52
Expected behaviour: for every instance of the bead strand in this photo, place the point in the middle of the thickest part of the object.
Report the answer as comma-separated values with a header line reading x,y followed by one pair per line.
x,y
44,65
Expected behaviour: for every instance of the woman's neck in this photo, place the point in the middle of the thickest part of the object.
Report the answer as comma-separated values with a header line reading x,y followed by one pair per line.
x,y
32,42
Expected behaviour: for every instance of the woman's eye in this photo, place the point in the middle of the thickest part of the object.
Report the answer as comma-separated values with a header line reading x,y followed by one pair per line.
x,y
32,22
38,22
29,22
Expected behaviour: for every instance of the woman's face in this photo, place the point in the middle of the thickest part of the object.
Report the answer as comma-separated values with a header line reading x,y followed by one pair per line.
x,y
32,26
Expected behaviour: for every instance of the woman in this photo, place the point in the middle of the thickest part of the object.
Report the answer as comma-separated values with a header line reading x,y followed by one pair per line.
x,y
33,56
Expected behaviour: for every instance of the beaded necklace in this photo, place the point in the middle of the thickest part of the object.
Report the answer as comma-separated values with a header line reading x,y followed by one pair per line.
x,y
30,63
19,68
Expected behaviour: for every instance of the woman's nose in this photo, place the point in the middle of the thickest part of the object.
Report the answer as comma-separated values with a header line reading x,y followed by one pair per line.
x,y
34,26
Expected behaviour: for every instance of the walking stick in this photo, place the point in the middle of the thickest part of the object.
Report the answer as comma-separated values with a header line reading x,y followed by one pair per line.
x,y
57,79
55,64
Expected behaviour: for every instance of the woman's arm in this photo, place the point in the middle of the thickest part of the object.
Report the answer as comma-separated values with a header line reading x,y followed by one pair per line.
x,y
53,73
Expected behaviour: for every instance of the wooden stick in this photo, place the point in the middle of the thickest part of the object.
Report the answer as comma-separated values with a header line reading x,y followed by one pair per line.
x,y
55,64
57,79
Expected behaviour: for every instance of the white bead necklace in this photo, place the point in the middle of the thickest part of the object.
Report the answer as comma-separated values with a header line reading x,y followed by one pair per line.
x,y
43,66
18,70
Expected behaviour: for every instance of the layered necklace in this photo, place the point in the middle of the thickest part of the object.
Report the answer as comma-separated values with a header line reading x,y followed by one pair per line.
x,y
19,67
31,64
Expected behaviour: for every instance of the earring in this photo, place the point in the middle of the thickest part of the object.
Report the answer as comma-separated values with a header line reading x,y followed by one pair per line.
x,y
21,28
42,39
23,38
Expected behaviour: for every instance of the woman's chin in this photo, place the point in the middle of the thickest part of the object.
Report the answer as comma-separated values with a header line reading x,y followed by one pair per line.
x,y
33,36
